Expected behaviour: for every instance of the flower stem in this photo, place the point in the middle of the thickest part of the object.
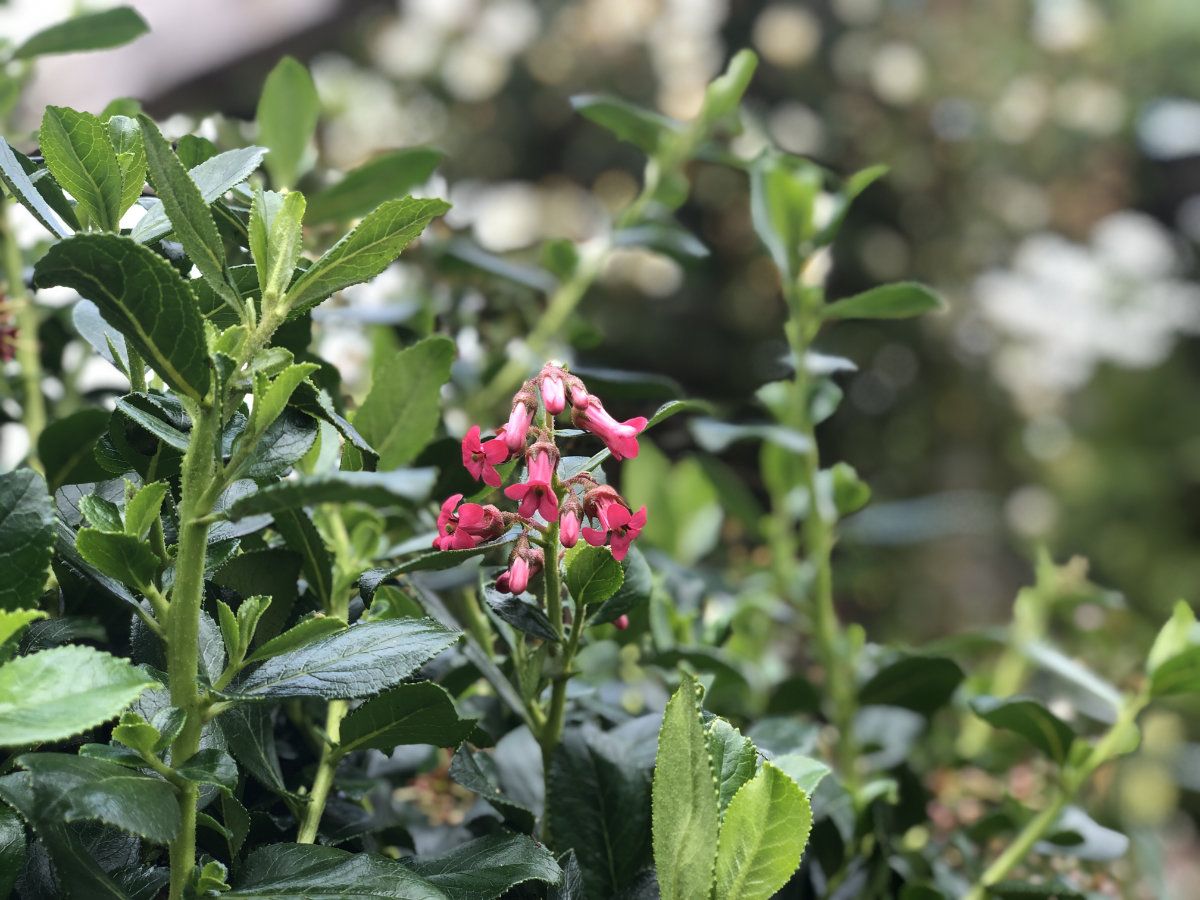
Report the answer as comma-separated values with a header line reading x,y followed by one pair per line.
x,y
33,406
326,769
183,622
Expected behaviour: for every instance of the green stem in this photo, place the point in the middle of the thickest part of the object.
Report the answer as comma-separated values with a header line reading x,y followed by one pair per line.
x,y
1109,746
183,623
326,769
26,318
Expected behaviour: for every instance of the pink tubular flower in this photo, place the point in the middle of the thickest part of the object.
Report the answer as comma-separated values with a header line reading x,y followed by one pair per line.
x,y
568,523
467,526
517,426
619,437
621,622
536,493
481,457
579,395
525,563
619,528
554,394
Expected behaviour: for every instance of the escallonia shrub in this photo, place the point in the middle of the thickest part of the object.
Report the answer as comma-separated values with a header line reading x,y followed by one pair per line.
x,y
257,641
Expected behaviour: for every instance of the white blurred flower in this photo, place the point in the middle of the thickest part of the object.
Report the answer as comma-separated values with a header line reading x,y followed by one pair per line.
x,y
1065,25
898,73
1170,128
14,445
1062,309
787,36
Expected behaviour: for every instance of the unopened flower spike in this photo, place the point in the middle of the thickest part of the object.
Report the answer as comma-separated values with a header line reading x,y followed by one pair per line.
x,y
524,564
553,389
517,426
570,520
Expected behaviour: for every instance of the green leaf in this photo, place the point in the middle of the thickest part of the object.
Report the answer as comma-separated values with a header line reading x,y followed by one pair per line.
x,y
13,621
402,410
734,759
17,181
211,766
433,562
389,175
91,31
77,788
187,211
358,662
1178,675
81,158
287,117
488,867
101,513
890,301
121,556
525,617
126,138
1030,719
685,801
103,338
364,252
143,508
12,850
401,487
920,683
807,772
762,837
597,799
136,733
291,871
783,193
420,713
26,538
1174,637
467,769
716,437
302,537
214,177
249,731
636,585
276,234
304,632
142,296
65,448
641,127
592,574
1054,889
58,693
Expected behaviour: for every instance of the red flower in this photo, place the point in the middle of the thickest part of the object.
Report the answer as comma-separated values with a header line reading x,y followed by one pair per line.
x,y
536,493
467,526
619,437
569,526
554,394
481,458
517,426
621,622
525,563
619,528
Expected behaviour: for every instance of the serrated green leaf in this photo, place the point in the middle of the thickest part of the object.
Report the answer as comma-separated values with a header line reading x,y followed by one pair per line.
x,y
127,143
26,537
763,836
488,867
65,448
636,586
287,117
249,731
142,296
77,788
124,557
467,769
526,617
12,850
90,31
81,158
101,513
390,175
290,871
359,662
213,177
303,632
57,693
402,410
1030,719
380,489
14,621
734,759
419,713
592,574
136,733
807,772
685,800
365,252
211,766
143,508
187,211
17,181
890,301
275,240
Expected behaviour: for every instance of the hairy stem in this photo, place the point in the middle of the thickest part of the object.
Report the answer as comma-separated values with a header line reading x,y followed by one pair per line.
x,y
25,317
326,769
183,622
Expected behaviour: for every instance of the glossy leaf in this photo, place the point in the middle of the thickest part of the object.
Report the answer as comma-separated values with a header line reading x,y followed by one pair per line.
x,y
14,621
734,759
1178,675
1030,719
645,129
420,713
124,557
26,538
16,180
90,31
636,585
920,683
287,117
303,632
81,158
593,576
65,448
1177,635
276,239
686,802
524,616
358,662
379,489
391,174
488,867
126,137
142,296
467,768
889,301
289,871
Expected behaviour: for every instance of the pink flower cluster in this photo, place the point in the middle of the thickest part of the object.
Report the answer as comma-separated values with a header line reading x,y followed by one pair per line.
x,y
542,498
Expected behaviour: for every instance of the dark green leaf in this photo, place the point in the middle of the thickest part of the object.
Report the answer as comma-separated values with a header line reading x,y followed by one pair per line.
x,y
124,557
302,537
75,788
26,538
365,252
17,181
889,301
12,850
358,662
81,158
380,489
523,616
403,408
468,769
91,31
635,589
1178,675
291,871
249,731
389,175
287,117
734,759
141,295
1055,889
304,632
592,574
65,448
420,713
211,766
1030,719
488,867
920,683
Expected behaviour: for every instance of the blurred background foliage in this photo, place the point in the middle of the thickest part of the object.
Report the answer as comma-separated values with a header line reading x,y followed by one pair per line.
x,y
1045,177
